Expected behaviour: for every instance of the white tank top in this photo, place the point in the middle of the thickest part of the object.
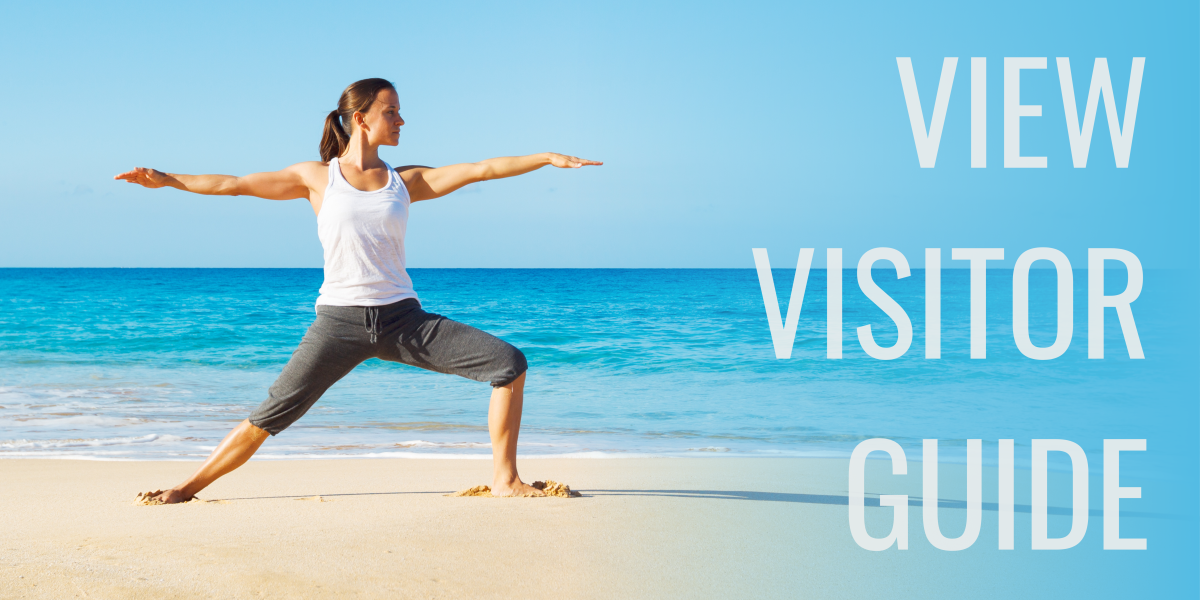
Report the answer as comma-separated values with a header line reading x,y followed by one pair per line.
x,y
363,237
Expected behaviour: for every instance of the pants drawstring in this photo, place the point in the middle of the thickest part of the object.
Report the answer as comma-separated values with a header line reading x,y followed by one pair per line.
x,y
371,321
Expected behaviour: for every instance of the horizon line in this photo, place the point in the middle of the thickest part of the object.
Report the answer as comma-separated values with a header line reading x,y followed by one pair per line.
x,y
791,269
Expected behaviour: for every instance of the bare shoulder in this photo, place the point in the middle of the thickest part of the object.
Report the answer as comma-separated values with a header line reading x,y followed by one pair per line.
x,y
314,173
413,178
309,167
410,172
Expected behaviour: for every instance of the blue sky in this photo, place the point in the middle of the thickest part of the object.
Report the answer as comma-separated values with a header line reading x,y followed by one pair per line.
x,y
723,127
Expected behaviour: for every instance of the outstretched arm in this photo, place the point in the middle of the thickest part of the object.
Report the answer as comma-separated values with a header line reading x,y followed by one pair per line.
x,y
287,184
424,183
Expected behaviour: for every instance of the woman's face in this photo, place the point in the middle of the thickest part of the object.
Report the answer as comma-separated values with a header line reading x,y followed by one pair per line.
x,y
382,121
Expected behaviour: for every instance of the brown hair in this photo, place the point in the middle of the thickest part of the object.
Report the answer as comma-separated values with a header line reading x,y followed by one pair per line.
x,y
358,97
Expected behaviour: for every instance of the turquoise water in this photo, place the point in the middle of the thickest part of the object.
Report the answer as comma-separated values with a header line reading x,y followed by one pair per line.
x,y
160,363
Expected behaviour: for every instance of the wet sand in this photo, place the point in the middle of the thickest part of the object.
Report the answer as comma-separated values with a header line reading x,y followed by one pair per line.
x,y
384,528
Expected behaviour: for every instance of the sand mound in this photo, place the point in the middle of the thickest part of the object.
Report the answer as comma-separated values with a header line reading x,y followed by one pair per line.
x,y
479,490
153,499
550,488
554,488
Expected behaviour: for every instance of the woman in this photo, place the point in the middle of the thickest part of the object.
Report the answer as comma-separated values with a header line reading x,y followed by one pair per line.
x,y
367,307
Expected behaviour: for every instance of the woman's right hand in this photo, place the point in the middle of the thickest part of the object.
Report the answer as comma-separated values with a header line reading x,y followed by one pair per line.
x,y
145,177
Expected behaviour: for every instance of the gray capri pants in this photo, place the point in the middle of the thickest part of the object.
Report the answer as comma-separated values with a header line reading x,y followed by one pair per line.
x,y
344,336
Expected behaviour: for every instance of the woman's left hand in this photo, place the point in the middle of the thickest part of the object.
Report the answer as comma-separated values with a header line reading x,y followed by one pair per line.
x,y
563,161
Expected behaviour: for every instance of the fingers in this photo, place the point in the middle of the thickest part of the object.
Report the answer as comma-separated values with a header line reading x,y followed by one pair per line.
x,y
574,162
131,174
577,162
138,175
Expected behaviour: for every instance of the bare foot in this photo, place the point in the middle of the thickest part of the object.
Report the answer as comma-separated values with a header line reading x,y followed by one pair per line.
x,y
171,496
516,489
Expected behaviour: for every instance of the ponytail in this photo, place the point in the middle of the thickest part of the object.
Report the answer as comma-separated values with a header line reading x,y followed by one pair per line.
x,y
357,98
334,139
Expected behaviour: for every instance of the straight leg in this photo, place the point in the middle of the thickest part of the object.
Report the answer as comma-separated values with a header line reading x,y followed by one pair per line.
x,y
231,453
334,344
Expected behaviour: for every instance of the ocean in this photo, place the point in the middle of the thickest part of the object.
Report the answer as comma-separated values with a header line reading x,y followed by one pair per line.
x,y
135,364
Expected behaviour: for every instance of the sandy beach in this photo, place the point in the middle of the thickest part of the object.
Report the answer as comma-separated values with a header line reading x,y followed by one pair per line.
x,y
644,528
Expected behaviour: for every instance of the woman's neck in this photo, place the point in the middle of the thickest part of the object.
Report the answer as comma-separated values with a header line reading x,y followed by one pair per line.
x,y
360,153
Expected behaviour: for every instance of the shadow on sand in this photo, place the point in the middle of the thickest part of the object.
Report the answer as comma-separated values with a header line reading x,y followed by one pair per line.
x,y
831,500
328,495
842,500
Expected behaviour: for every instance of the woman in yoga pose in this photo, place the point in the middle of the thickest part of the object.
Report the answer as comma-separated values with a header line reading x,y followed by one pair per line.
x,y
367,307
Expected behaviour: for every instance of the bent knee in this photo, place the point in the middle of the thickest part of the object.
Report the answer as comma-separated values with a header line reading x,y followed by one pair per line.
x,y
520,365
510,366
